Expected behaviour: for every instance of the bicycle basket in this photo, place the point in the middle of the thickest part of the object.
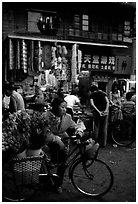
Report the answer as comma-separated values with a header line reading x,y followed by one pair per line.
x,y
26,170
91,151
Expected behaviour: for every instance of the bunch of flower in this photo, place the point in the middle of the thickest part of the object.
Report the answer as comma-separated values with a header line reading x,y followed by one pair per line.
x,y
26,129
16,131
37,136
50,121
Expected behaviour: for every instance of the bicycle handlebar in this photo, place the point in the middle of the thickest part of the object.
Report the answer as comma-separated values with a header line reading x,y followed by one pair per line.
x,y
78,139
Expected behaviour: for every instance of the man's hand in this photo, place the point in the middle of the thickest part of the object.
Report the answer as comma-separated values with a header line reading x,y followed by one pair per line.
x,y
103,113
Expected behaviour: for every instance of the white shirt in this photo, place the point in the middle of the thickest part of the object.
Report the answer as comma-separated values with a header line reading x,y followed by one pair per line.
x,y
71,100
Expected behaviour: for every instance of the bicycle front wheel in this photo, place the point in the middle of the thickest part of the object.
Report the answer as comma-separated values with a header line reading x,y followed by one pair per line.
x,y
94,178
123,134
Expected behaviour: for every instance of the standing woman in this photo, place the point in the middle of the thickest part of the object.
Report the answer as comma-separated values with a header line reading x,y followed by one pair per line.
x,y
114,95
115,101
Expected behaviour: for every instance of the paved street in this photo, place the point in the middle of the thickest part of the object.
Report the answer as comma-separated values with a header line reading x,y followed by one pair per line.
x,y
123,164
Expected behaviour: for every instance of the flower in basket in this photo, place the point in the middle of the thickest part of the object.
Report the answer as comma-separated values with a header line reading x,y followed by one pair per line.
x,y
41,125
27,129
16,131
37,126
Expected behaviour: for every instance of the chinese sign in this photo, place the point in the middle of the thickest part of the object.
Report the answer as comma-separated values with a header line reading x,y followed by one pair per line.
x,y
96,62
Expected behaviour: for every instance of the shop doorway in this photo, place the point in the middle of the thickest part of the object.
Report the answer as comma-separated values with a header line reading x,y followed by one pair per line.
x,y
102,86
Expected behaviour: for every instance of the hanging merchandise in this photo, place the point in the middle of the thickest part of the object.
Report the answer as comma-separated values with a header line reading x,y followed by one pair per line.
x,y
24,56
11,55
42,78
32,56
17,63
53,56
39,56
36,54
59,51
68,71
79,61
46,57
64,51
64,69
59,63
18,55
74,64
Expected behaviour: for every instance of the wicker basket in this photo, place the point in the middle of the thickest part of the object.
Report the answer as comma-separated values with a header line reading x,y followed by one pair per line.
x,y
26,170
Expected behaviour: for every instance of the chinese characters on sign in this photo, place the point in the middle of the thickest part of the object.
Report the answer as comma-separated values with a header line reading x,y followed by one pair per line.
x,y
96,62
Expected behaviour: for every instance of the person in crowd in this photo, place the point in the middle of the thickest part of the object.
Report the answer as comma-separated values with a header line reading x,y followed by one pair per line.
x,y
60,93
133,98
16,99
72,99
114,95
129,111
39,96
100,107
115,103
60,123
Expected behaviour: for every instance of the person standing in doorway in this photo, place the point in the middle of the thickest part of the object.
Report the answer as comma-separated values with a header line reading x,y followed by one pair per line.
x,y
100,105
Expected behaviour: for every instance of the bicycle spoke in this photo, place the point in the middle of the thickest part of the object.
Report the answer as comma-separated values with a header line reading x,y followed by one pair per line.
x,y
93,180
123,134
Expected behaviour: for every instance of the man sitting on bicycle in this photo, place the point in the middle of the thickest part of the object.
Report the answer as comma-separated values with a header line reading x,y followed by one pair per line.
x,y
59,122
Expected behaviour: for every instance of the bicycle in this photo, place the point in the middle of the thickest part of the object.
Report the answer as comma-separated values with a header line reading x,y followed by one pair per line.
x,y
120,131
89,175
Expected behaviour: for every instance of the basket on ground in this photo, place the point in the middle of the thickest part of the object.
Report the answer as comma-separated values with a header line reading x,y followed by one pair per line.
x,y
26,170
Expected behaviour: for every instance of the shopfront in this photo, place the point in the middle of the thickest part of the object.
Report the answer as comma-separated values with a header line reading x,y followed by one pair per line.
x,y
42,62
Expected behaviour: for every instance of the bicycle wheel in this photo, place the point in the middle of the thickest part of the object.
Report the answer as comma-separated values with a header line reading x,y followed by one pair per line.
x,y
94,178
121,133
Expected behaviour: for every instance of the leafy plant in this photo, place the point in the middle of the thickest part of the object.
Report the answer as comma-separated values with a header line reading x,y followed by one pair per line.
x,y
16,131
27,129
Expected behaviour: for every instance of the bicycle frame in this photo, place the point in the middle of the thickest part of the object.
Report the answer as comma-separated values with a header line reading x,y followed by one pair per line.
x,y
70,160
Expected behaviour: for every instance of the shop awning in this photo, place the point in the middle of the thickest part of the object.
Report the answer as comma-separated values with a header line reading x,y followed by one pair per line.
x,y
66,41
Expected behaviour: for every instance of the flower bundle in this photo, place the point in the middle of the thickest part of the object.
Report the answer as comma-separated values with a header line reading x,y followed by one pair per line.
x,y
37,129
16,131
27,129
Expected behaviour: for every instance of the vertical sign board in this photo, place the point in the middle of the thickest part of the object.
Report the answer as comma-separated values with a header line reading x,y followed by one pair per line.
x,y
123,65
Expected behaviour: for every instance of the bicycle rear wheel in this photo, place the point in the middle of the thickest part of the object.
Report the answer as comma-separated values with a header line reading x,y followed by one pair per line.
x,y
94,178
121,134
